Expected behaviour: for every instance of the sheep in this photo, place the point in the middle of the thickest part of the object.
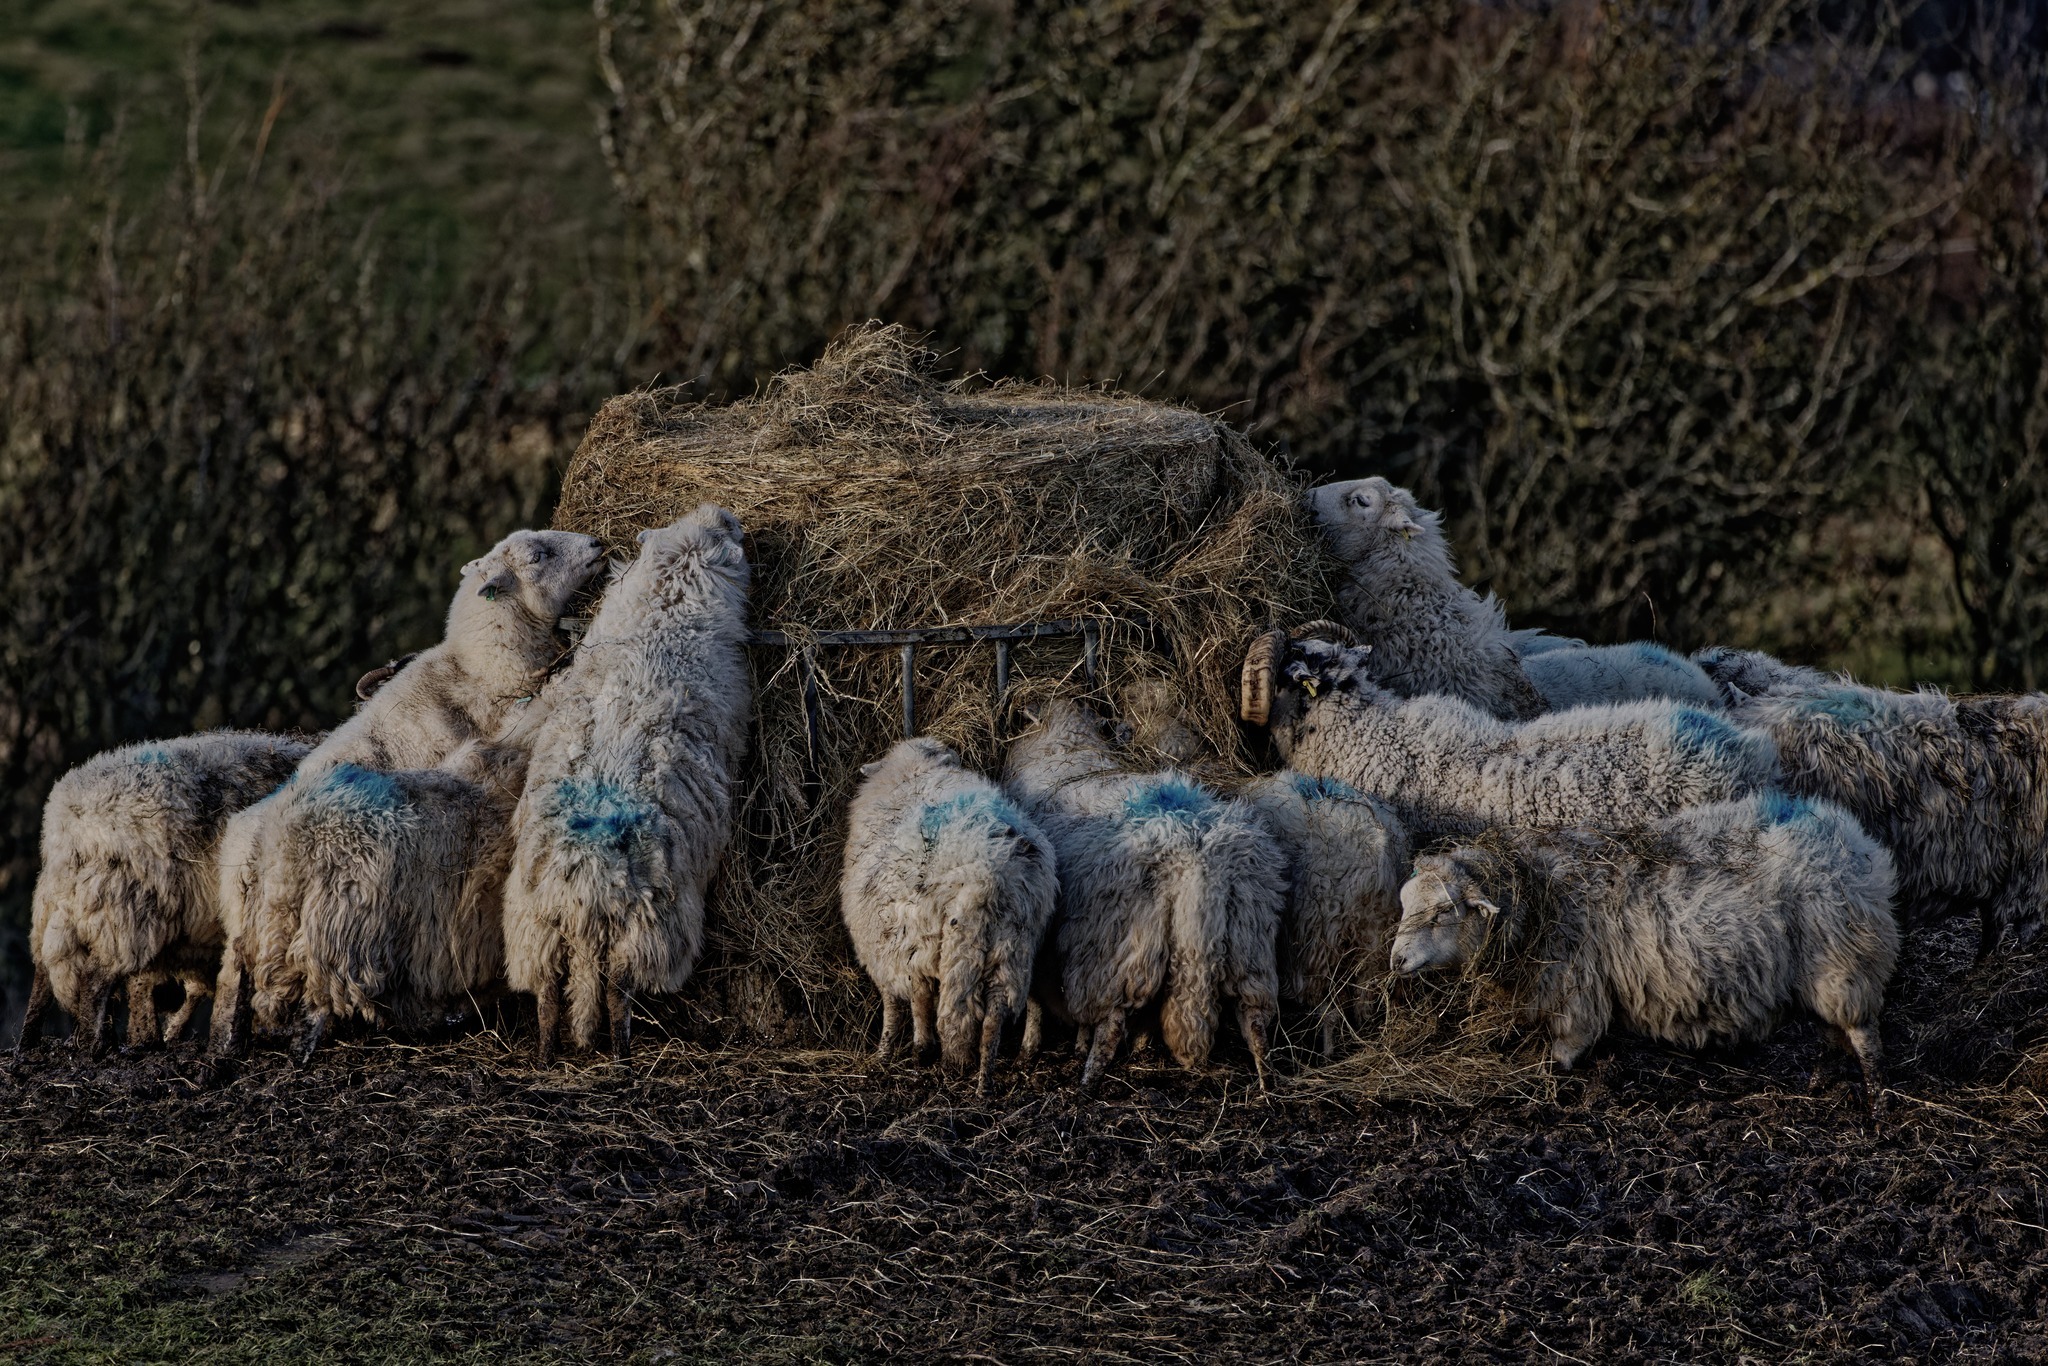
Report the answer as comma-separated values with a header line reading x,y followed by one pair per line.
x,y
1346,855
128,889
1429,633
1592,675
1432,634
628,800
1449,768
403,877
1705,925
1956,789
498,646
947,891
1167,894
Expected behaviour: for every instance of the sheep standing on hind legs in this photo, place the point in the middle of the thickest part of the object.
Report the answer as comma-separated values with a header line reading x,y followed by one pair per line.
x,y
499,644
1167,893
947,892
1704,926
1432,634
628,801
129,883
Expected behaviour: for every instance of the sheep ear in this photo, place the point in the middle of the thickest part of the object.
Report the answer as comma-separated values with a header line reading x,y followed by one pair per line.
x,y
640,538
501,580
1405,522
870,770
1485,907
1122,733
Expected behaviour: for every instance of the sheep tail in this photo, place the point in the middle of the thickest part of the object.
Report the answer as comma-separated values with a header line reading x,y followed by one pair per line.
x,y
584,997
963,966
1196,912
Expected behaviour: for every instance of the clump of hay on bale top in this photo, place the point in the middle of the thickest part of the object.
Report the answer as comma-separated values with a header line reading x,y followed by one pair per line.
x,y
876,496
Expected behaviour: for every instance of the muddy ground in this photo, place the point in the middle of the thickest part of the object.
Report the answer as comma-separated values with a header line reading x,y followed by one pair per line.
x,y
396,1202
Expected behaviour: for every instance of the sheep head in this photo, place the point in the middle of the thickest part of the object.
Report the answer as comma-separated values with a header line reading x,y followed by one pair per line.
x,y
1445,916
704,550
540,570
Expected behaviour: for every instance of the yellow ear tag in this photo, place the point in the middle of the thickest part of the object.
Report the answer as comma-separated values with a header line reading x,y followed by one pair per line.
x,y
1309,685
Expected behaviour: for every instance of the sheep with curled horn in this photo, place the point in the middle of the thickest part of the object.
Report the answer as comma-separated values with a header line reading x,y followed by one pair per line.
x,y
1706,925
1447,767
499,644
1432,634
947,890
1168,895
628,802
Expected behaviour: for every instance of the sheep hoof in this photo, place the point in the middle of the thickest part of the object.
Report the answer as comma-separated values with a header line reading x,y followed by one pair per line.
x,y
309,1040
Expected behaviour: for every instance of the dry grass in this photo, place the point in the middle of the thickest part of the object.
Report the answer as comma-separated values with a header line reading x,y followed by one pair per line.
x,y
876,496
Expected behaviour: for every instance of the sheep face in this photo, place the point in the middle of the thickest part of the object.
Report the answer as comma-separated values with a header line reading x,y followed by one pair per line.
x,y
1444,917
1363,517
702,548
1743,674
542,570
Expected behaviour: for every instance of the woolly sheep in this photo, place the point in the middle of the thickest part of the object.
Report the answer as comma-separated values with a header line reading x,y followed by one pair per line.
x,y
1167,894
1706,925
403,877
947,892
1346,854
1429,633
1593,675
628,800
498,646
129,886
1956,789
1448,767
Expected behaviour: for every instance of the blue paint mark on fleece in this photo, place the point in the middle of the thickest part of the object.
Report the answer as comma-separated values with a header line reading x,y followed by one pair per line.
x,y
1173,799
598,813
1846,705
153,756
1779,808
984,808
1652,653
1700,732
363,788
1325,789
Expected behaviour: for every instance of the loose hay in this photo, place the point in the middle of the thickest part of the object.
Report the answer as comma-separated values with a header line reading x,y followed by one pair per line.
x,y
876,496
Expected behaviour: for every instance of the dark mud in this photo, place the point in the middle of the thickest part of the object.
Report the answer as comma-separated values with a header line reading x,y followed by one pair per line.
x,y
397,1202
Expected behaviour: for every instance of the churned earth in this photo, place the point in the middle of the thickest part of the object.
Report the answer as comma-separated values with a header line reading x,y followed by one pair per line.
x,y
451,1202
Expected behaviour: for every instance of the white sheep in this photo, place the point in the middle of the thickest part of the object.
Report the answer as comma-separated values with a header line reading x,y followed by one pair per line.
x,y
1432,634
1347,854
1168,894
499,644
1581,675
1957,789
1448,767
1429,632
628,801
1706,925
947,891
129,883
403,878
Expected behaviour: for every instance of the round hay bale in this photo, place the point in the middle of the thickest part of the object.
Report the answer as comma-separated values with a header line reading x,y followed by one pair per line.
x,y
877,496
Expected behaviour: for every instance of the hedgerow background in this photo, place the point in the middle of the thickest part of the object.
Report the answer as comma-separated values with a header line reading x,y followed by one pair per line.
x,y
1702,322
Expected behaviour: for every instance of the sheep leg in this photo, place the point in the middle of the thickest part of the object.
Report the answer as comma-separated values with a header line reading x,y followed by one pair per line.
x,y
230,1032
619,1014
311,1037
991,1041
1034,1030
1256,1024
1327,1043
1108,1036
892,1026
1864,1045
142,1025
38,1006
547,1003
195,992
98,995
1084,1037
924,1020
